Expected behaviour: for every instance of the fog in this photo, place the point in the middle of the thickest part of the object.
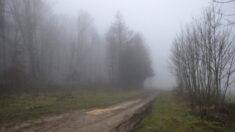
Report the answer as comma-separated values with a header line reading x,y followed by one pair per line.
x,y
97,41
157,20
89,65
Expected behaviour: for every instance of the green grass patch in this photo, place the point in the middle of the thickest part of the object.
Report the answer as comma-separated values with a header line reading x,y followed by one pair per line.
x,y
172,114
21,107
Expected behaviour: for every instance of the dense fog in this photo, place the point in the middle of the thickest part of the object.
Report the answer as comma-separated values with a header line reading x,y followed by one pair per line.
x,y
117,65
40,46
93,41
158,21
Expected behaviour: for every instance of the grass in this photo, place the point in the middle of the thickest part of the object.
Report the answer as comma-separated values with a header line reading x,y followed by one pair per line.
x,y
171,114
21,107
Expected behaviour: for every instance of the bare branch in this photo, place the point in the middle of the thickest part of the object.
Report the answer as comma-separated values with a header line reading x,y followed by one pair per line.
x,y
229,14
223,2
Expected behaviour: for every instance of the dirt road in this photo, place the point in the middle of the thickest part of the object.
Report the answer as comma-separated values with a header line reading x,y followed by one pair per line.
x,y
121,117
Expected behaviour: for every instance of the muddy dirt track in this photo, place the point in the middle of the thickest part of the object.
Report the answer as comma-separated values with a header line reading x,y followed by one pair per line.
x,y
121,117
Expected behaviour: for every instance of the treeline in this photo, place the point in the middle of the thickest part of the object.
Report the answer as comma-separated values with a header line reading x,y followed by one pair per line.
x,y
39,46
128,57
203,56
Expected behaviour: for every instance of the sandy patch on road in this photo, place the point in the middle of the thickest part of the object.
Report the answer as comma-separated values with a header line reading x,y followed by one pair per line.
x,y
119,107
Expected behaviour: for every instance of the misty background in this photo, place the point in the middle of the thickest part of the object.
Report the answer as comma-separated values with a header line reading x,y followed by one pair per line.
x,y
91,42
157,20
57,56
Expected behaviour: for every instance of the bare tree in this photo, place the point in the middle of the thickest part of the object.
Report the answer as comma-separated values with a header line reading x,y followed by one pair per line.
x,y
227,16
26,15
2,43
223,1
203,56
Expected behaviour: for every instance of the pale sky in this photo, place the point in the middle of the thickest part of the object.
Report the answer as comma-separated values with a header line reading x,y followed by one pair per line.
x,y
157,20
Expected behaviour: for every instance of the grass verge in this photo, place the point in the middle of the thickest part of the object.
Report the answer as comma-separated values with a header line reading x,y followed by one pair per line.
x,y
21,107
172,114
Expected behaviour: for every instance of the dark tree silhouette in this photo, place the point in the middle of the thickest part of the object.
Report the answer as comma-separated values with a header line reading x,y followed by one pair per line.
x,y
129,60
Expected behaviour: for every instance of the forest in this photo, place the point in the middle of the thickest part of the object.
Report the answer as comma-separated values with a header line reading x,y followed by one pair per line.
x,y
39,46
117,66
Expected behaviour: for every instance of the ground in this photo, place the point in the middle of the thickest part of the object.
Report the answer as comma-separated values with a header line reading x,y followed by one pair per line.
x,y
106,110
120,117
171,113
24,106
